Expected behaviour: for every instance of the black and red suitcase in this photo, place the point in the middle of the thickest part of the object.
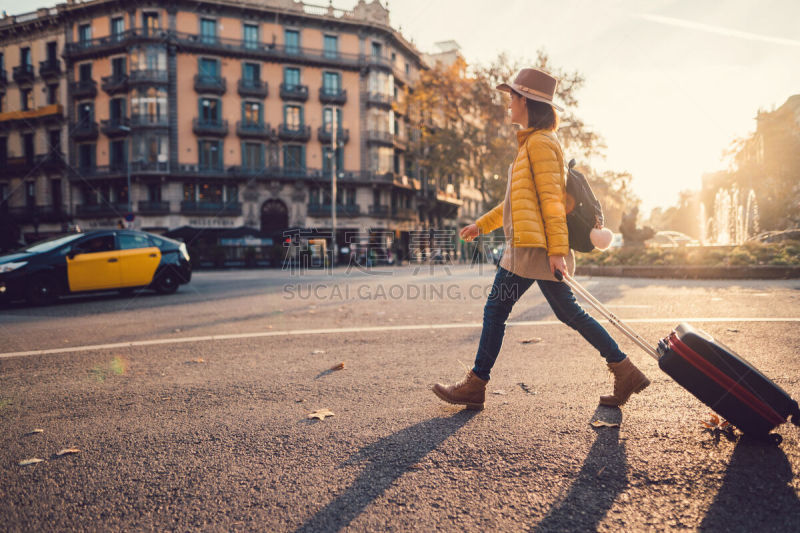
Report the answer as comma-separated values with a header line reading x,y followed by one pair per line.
x,y
715,374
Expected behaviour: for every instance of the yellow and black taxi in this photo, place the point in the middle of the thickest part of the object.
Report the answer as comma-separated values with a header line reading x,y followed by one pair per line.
x,y
94,261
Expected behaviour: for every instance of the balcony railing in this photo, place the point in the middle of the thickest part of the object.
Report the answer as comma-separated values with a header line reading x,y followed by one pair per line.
x,y
50,68
324,135
117,127
114,42
381,137
287,132
324,210
153,208
104,210
211,208
380,99
404,213
253,88
24,74
149,121
149,166
149,76
115,83
84,130
84,89
19,166
294,92
254,130
217,128
37,214
332,96
210,84
379,210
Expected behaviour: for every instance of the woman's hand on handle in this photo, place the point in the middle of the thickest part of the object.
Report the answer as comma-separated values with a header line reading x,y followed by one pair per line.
x,y
557,262
469,232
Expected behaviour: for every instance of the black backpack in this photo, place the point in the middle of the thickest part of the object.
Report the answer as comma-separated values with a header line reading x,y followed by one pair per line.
x,y
583,210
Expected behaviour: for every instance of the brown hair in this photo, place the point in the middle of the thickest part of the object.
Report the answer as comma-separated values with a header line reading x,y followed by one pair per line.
x,y
541,115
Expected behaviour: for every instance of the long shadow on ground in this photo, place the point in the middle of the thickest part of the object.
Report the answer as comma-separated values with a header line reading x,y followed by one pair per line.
x,y
601,479
756,494
387,460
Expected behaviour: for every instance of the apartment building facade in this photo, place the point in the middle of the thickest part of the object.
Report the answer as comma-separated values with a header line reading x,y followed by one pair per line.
x,y
212,114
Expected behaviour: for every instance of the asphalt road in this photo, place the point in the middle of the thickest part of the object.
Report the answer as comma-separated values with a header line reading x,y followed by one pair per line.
x,y
195,416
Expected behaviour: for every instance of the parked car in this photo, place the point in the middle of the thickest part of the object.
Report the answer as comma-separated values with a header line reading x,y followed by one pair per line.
x,y
671,239
94,261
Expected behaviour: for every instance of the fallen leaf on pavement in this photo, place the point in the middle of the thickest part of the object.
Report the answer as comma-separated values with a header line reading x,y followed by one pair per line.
x,y
526,388
320,414
733,330
68,451
603,424
197,361
339,366
33,461
33,432
532,340
500,392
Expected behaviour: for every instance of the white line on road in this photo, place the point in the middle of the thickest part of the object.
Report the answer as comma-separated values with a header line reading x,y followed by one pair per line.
x,y
325,331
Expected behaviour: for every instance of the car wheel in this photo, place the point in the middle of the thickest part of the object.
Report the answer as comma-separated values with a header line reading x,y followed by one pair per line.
x,y
166,281
42,290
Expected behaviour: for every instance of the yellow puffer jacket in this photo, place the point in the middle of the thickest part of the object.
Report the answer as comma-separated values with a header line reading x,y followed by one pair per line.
x,y
539,221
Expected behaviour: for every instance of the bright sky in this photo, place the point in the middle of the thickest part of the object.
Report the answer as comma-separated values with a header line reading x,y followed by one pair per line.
x,y
669,83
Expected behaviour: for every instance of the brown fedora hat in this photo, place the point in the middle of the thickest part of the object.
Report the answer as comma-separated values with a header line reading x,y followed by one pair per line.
x,y
534,84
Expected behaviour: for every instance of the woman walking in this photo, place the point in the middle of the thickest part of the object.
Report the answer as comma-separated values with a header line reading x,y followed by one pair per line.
x,y
533,216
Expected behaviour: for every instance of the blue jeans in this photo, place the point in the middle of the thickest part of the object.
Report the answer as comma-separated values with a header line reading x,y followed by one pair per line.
x,y
507,289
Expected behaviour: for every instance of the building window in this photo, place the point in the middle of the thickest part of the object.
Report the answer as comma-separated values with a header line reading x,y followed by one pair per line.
x,y
294,157
253,155
150,151
3,150
292,39
28,147
154,192
116,110
118,69
26,98
209,68
331,82
250,36
252,113
380,83
85,72
326,160
85,113
210,154
54,140
377,50
150,23
293,117
209,110
381,160
209,192
291,78
327,118
117,158
86,156
408,69
149,58
52,52
117,28
251,72
3,188
208,31
330,46
52,94
150,105
30,194
231,194
84,34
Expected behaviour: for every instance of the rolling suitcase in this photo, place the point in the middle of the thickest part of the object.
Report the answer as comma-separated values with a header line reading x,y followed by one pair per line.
x,y
714,373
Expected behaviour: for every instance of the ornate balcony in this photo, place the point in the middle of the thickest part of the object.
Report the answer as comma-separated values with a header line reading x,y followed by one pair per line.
x,y
335,97
253,88
379,99
288,132
153,208
231,209
404,213
324,210
379,210
380,137
150,77
149,121
324,135
114,84
210,84
298,93
84,130
119,127
84,89
24,74
50,68
254,130
104,210
216,128
38,214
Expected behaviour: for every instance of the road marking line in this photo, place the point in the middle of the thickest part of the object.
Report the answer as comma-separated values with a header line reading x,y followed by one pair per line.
x,y
323,331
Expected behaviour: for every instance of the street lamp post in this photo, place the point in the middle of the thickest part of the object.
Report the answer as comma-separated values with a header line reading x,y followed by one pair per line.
x,y
334,245
125,128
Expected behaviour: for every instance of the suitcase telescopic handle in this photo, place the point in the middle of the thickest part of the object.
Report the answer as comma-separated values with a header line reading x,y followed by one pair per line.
x,y
611,317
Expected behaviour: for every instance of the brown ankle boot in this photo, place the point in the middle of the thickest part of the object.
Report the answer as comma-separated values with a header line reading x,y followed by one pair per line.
x,y
470,391
627,380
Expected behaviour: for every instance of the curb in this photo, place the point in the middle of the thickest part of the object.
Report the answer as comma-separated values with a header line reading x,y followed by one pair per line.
x,y
692,272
